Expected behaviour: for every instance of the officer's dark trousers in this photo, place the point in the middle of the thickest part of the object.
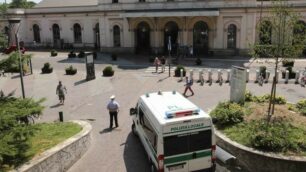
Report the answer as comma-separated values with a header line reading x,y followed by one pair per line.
x,y
113,115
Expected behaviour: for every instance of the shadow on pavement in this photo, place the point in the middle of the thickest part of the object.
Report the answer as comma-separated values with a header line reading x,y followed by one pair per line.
x,y
56,105
134,155
80,82
106,130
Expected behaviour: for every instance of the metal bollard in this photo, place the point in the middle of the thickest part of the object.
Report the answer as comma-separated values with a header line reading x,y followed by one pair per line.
x,y
200,75
247,75
61,116
219,75
191,74
209,79
276,77
297,77
286,76
181,74
267,76
228,75
257,75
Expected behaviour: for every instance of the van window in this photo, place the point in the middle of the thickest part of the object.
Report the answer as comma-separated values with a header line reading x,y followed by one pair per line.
x,y
189,142
148,129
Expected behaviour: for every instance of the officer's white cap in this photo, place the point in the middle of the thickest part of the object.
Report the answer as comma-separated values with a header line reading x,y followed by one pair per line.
x,y
112,97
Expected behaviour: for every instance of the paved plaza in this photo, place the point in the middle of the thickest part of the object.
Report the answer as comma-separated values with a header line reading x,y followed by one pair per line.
x,y
118,150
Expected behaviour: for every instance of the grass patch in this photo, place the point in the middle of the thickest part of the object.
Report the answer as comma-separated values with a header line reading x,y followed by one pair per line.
x,y
46,136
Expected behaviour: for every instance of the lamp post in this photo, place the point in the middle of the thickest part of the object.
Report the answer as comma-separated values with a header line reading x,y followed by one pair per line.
x,y
15,25
169,50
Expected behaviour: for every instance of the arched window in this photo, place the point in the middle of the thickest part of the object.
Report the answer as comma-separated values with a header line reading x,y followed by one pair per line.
x,y
77,31
231,36
265,33
116,31
200,38
56,32
36,33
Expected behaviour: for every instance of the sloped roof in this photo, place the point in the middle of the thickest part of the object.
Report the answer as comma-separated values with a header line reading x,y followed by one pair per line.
x,y
66,3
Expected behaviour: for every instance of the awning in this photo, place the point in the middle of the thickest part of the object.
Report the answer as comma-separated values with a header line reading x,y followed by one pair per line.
x,y
170,14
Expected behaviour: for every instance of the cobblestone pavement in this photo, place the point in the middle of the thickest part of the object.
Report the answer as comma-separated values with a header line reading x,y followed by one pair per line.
x,y
119,150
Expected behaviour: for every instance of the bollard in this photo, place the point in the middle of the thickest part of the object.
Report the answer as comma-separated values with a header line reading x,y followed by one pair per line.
x,y
181,74
286,76
247,75
257,76
276,77
61,116
219,75
267,76
209,79
297,77
191,74
228,75
201,77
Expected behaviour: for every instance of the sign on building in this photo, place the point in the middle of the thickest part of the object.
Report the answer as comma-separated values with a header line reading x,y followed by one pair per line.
x,y
238,84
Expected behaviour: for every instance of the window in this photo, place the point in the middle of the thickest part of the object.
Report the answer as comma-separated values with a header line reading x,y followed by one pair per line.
x,y
142,0
189,142
148,129
116,30
115,1
36,33
231,36
77,31
265,33
56,32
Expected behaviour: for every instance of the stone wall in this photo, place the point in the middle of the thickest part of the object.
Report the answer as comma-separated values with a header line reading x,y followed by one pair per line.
x,y
64,155
256,161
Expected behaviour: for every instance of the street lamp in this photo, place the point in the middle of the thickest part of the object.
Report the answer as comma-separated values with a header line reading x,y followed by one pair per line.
x,y
169,50
15,23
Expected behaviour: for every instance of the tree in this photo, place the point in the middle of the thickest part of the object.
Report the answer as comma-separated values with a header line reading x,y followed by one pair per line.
x,y
14,131
22,4
281,36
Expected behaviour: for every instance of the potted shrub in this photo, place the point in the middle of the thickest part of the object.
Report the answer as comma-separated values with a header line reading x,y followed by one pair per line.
x,y
198,61
291,73
177,71
71,54
81,54
53,53
114,57
70,70
47,68
288,63
108,71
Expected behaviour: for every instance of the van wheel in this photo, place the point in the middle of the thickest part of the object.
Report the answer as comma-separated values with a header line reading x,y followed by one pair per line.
x,y
134,130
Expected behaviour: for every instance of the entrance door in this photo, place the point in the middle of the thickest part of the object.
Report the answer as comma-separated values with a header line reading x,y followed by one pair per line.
x,y
56,36
143,38
200,38
171,32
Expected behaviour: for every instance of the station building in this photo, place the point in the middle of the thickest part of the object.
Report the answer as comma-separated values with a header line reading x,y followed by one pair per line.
x,y
220,27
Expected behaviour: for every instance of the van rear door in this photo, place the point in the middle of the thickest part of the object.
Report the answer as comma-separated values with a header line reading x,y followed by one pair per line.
x,y
188,151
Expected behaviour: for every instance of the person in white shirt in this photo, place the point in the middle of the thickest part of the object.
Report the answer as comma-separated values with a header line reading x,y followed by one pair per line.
x,y
113,108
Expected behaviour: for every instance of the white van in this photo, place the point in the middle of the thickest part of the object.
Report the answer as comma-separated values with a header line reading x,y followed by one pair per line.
x,y
177,135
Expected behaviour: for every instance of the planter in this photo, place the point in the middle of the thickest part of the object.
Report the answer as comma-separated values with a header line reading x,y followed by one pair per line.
x,y
71,72
265,162
46,70
71,55
108,71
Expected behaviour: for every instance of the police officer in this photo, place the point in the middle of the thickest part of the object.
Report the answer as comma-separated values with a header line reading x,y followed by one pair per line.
x,y
113,108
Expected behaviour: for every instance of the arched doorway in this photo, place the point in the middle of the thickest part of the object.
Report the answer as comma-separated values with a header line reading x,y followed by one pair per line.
x,y
116,36
56,35
171,33
36,33
200,38
97,36
231,36
143,38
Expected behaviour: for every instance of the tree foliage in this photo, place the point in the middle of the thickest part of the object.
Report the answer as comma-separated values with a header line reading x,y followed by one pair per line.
x,y
14,131
22,4
11,64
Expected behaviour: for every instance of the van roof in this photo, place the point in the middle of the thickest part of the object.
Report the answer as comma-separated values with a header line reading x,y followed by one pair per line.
x,y
162,104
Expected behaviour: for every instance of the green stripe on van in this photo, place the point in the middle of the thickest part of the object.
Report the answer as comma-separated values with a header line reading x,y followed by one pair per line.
x,y
187,157
179,131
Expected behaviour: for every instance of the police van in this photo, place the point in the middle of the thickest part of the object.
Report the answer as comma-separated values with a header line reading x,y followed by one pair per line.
x,y
177,135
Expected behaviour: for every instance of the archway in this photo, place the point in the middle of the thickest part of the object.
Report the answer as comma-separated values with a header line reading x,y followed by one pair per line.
x,y
171,33
56,33
231,36
200,38
36,33
143,38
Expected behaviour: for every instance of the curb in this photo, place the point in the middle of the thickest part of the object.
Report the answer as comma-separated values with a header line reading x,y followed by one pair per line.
x,y
64,155
265,162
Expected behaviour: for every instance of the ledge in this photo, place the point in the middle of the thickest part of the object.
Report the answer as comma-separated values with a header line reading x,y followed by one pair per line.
x,y
255,160
62,156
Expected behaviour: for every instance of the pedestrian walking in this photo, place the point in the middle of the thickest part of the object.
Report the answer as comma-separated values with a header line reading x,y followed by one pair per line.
x,y
113,108
61,91
163,63
189,83
156,63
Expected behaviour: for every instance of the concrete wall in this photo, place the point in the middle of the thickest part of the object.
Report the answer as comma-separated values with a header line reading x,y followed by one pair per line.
x,y
61,157
256,161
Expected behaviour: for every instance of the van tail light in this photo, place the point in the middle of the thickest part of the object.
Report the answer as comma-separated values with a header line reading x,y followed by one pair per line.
x,y
160,163
213,154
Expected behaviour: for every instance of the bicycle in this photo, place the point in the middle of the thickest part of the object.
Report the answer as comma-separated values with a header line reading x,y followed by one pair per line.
x,y
303,81
260,79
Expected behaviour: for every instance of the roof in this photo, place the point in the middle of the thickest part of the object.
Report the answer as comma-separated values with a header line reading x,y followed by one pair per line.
x,y
171,102
66,3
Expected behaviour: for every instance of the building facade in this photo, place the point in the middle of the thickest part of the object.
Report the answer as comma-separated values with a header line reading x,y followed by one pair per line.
x,y
146,26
